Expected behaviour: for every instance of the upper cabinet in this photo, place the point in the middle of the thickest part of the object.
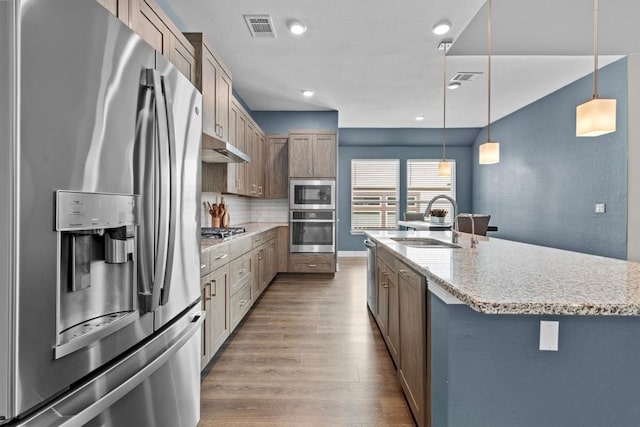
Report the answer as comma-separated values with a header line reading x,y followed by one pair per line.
x,y
275,176
312,154
147,19
214,81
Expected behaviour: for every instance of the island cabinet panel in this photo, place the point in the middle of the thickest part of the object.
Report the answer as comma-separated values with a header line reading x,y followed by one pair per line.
x,y
383,297
412,369
312,154
393,319
282,248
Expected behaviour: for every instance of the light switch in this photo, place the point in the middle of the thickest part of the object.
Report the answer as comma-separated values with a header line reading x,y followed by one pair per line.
x,y
549,335
601,208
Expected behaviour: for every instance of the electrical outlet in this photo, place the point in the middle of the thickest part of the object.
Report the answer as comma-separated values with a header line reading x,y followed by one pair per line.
x,y
601,208
549,331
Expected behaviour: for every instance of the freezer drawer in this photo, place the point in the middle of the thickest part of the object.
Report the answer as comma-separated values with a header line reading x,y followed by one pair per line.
x,y
156,385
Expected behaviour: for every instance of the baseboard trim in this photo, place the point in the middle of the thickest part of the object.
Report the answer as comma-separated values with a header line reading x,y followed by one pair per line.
x,y
350,254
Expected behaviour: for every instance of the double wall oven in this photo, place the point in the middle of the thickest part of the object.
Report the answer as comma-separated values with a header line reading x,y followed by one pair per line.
x,y
312,221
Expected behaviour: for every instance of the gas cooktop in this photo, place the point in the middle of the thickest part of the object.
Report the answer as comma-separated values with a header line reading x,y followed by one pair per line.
x,y
220,232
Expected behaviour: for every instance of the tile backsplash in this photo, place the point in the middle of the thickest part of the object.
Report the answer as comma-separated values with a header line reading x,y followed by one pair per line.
x,y
244,209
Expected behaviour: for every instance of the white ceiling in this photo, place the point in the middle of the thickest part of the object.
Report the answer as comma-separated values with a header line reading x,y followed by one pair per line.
x,y
377,62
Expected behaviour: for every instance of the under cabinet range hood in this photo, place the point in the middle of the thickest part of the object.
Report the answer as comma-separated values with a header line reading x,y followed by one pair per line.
x,y
217,151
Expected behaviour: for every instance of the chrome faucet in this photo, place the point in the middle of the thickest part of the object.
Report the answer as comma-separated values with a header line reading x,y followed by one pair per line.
x,y
474,239
454,231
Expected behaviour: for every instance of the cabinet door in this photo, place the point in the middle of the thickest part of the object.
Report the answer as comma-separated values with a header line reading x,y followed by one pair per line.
x,y
300,156
220,326
412,369
149,26
383,290
259,153
277,157
324,156
209,92
183,57
119,8
393,320
251,144
282,247
241,143
205,287
255,277
223,99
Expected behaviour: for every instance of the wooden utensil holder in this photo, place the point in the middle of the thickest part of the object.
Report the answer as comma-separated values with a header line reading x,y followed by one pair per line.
x,y
215,221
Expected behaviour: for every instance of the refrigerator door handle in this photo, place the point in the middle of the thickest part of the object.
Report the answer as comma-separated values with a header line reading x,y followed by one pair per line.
x,y
173,194
164,169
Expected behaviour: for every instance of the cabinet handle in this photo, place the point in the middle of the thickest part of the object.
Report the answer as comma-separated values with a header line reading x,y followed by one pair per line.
x,y
203,266
219,257
242,303
260,189
208,294
242,271
215,288
405,273
312,265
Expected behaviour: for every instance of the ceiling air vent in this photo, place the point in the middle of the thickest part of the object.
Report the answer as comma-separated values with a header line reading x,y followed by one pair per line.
x,y
260,25
465,76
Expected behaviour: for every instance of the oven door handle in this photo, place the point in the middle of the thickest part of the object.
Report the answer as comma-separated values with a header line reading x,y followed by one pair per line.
x,y
314,220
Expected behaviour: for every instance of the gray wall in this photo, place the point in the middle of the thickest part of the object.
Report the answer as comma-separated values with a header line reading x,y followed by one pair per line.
x,y
281,122
487,370
547,183
462,156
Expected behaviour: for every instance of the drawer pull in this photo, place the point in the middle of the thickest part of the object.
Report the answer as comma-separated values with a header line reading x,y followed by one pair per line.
x,y
385,286
405,273
242,271
219,257
312,265
208,294
203,266
242,303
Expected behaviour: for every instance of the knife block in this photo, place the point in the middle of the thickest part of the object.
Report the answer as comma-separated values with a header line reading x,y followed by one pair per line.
x,y
215,221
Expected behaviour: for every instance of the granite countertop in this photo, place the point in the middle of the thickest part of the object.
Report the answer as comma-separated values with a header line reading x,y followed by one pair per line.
x,y
506,277
251,228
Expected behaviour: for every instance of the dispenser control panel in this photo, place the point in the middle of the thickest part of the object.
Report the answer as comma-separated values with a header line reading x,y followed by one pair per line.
x,y
87,211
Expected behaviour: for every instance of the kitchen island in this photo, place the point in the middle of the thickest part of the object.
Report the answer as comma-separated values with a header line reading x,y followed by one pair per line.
x,y
481,319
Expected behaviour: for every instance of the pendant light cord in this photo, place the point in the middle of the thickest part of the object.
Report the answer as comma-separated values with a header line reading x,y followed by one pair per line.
x,y
596,12
444,105
489,74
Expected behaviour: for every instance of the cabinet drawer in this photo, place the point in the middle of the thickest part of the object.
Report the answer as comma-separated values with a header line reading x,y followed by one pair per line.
x,y
219,255
306,263
240,304
205,263
264,237
240,272
239,247
389,259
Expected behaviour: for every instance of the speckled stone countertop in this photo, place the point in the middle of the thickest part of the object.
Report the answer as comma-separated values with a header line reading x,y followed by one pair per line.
x,y
505,277
251,228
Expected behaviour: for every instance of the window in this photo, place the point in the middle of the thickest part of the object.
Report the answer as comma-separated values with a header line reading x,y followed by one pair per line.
x,y
423,184
374,194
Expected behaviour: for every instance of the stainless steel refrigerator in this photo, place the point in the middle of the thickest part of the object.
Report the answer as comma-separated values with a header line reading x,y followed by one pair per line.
x,y
99,223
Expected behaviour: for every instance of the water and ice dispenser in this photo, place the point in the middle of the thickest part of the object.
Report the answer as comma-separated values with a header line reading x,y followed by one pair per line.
x,y
97,271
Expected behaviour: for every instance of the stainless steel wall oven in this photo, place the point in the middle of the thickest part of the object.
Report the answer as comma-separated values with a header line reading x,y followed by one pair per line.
x,y
313,231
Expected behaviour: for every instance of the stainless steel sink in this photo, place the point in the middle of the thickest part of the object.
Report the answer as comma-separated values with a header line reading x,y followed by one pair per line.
x,y
424,242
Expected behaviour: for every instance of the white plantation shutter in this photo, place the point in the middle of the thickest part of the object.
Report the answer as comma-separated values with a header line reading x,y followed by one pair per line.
x,y
423,184
374,194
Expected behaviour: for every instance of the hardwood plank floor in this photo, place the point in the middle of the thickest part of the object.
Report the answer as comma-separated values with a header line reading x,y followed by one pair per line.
x,y
308,354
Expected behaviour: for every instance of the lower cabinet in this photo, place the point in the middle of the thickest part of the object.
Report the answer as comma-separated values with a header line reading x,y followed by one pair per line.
x,y
312,263
240,304
402,319
215,297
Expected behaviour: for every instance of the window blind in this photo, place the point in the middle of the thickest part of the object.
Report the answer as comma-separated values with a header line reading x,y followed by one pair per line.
x,y
374,194
423,184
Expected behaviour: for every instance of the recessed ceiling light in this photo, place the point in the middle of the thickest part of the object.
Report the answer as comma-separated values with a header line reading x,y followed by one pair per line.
x,y
308,93
441,28
296,27
454,85
419,118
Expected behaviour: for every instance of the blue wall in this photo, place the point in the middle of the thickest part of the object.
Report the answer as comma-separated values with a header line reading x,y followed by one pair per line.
x,y
281,122
462,156
547,183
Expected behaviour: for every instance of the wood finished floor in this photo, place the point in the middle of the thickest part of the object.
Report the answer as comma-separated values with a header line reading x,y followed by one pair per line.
x,y
308,354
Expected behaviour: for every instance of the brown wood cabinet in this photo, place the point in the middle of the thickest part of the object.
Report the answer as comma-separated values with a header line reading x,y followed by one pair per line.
x,y
213,79
412,369
276,174
312,154
312,263
282,248
120,8
215,296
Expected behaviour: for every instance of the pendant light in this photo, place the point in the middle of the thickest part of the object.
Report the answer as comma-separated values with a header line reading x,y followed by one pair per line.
x,y
444,167
597,116
490,150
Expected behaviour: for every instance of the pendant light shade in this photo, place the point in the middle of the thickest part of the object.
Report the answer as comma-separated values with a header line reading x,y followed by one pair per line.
x,y
597,116
490,150
444,168
489,153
